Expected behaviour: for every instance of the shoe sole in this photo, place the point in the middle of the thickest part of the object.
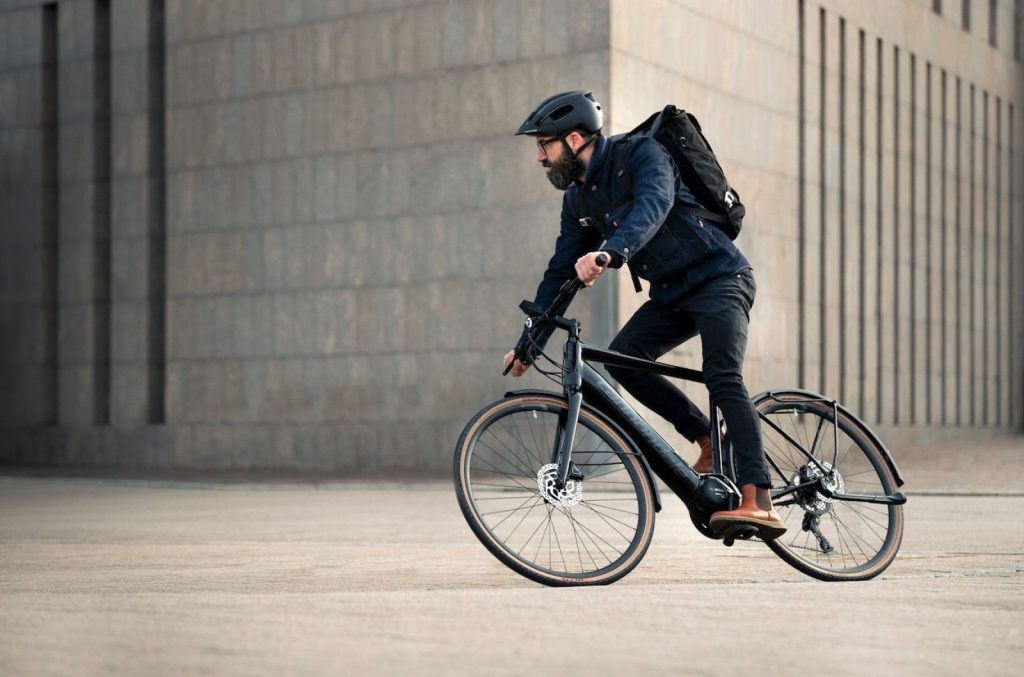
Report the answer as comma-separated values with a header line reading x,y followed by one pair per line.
x,y
766,530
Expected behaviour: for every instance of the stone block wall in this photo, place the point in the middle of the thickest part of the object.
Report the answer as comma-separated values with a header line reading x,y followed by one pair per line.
x,y
317,226
882,210
285,234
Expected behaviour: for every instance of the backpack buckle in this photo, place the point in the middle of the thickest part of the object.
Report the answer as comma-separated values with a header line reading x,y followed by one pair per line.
x,y
587,222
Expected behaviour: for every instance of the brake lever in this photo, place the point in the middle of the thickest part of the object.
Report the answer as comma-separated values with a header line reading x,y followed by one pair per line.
x,y
535,312
516,356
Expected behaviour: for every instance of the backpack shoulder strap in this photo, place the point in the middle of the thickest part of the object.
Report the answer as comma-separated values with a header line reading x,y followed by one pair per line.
x,y
578,205
581,209
618,159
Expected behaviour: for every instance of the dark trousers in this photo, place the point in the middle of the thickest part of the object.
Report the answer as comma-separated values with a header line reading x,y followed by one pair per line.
x,y
719,311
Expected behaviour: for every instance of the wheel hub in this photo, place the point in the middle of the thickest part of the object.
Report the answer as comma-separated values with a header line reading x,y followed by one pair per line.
x,y
547,483
812,500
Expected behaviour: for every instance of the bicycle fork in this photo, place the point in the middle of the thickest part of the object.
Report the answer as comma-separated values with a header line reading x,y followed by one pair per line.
x,y
572,383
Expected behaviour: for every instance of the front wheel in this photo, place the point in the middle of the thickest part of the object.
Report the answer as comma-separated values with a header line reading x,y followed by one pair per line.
x,y
592,531
828,538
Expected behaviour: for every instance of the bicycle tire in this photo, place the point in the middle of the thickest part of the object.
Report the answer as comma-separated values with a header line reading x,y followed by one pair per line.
x,y
800,546
617,464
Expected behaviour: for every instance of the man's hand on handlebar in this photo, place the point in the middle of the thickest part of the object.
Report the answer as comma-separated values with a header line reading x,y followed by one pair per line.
x,y
589,268
518,369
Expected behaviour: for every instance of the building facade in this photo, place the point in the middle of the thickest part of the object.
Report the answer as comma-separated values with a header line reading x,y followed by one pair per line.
x,y
294,233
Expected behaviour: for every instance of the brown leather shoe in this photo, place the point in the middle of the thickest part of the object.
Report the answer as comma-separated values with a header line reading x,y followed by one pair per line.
x,y
755,509
705,463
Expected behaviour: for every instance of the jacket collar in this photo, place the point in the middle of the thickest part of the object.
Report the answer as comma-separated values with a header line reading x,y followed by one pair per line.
x,y
597,159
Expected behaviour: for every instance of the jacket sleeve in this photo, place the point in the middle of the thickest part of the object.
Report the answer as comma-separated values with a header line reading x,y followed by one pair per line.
x,y
654,193
573,242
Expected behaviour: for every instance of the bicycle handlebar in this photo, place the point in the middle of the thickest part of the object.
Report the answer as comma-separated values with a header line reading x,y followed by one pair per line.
x,y
536,323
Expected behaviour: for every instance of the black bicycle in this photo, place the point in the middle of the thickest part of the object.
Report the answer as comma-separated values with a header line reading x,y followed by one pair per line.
x,y
560,486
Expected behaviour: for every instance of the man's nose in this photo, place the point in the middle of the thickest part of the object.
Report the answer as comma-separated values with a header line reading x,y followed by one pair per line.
x,y
541,156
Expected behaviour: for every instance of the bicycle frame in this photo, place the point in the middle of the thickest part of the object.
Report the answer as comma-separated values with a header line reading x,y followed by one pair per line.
x,y
582,383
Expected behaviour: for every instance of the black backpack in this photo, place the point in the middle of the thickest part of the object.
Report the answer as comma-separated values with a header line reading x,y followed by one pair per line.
x,y
679,133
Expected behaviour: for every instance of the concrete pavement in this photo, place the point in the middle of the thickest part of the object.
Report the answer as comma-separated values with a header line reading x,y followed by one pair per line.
x,y
132,577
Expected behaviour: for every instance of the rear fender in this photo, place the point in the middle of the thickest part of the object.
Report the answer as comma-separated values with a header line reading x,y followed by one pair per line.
x,y
861,427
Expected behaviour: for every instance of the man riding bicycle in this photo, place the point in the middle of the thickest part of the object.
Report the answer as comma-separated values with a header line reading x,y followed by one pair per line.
x,y
699,280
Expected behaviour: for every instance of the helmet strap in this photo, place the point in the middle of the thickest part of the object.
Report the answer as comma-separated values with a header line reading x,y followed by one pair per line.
x,y
569,150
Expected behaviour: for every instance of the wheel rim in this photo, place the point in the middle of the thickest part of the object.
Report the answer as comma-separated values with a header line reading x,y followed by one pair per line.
x,y
506,471
859,534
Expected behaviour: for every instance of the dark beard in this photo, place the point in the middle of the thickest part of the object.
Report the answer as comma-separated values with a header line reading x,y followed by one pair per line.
x,y
561,174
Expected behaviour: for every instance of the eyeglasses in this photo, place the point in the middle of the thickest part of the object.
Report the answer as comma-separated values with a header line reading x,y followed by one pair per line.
x,y
542,146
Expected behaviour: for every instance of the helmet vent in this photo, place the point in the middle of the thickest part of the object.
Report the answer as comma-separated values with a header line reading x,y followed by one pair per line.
x,y
560,113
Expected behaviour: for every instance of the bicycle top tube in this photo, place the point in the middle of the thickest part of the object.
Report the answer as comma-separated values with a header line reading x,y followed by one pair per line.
x,y
591,353
610,357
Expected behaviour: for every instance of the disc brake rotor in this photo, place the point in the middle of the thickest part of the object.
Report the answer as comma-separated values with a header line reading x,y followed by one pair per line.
x,y
567,496
813,501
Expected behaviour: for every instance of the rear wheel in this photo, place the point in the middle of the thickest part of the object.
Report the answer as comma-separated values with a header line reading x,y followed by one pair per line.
x,y
592,531
828,538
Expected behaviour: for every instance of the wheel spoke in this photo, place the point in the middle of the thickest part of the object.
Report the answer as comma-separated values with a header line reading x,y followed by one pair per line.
x,y
601,529
594,534
584,535
530,537
513,463
861,537
513,434
523,518
592,502
499,472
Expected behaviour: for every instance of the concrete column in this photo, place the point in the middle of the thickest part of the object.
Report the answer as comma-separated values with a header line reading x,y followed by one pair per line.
x,y
904,254
934,226
850,365
80,284
130,216
976,251
960,303
950,191
869,405
829,253
1006,254
989,270
27,201
1017,288
810,285
920,342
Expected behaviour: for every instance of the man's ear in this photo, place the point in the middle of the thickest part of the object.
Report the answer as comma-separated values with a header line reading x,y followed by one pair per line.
x,y
575,140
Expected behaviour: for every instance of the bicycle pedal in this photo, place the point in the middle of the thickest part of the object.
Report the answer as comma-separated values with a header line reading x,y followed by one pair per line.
x,y
740,532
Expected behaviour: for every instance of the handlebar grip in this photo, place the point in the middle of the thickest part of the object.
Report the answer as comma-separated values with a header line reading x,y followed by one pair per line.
x,y
601,260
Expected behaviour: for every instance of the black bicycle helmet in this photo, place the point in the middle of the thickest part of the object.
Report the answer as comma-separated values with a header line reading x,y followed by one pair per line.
x,y
562,113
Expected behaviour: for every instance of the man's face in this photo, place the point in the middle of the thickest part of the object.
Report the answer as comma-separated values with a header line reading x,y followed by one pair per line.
x,y
563,167
549,150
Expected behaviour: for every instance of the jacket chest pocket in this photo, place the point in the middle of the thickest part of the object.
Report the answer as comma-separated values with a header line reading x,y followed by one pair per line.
x,y
702,232
613,217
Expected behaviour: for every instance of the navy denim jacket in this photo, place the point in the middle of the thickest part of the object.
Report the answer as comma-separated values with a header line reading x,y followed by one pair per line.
x,y
633,212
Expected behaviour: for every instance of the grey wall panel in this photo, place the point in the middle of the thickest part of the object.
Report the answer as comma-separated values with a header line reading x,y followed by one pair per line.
x,y
294,235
